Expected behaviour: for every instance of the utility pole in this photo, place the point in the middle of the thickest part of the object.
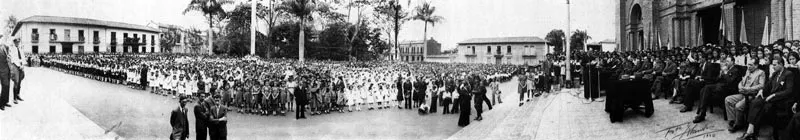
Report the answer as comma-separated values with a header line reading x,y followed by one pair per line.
x,y
253,27
569,49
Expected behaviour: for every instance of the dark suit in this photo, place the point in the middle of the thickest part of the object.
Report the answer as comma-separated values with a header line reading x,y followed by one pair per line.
x,y
301,99
201,121
709,73
724,85
180,124
218,129
5,75
781,85
407,93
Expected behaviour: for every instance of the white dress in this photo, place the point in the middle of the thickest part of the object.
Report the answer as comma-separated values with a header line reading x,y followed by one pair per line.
x,y
349,96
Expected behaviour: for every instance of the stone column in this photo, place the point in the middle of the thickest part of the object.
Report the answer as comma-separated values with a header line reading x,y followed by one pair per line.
x,y
788,27
795,19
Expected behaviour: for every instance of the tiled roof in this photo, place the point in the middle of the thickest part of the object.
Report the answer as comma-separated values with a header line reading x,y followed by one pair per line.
x,y
82,21
524,39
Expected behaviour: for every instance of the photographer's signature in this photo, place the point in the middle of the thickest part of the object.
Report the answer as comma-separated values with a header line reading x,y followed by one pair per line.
x,y
689,130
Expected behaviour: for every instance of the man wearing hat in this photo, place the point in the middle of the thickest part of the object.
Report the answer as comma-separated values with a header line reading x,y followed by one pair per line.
x,y
179,121
4,76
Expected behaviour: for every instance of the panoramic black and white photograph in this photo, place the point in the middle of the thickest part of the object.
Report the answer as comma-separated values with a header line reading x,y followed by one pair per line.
x,y
399,69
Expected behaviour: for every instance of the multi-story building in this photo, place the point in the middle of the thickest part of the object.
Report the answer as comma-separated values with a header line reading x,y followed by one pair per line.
x,y
50,34
176,39
413,51
688,23
502,50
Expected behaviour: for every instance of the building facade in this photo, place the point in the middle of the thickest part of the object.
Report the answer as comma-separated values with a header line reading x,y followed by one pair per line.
x,y
50,34
412,51
176,39
504,50
686,23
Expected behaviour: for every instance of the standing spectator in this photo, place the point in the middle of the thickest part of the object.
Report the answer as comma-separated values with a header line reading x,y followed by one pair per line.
x,y
16,67
201,115
218,120
4,76
179,121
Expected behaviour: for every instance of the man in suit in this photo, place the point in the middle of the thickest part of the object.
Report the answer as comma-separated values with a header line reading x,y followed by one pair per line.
x,y
201,115
16,63
407,91
708,73
781,84
5,73
179,121
300,100
721,87
218,120
752,83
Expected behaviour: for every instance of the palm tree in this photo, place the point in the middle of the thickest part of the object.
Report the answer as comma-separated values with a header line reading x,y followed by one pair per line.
x,y
210,8
303,10
424,13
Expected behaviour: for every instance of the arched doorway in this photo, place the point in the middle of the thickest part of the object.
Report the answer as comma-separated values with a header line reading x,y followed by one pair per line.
x,y
635,32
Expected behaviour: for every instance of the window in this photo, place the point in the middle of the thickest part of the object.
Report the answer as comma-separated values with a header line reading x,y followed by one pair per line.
x,y
96,49
67,37
136,36
35,35
96,37
52,49
509,49
113,48
152,40
179,38
80,36
35,49
473,49
152,49
488,49
53,36
80,49
144,39
498,50
113,37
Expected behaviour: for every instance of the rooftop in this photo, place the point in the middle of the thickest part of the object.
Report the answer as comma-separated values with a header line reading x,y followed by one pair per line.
x,y
82,21
523,39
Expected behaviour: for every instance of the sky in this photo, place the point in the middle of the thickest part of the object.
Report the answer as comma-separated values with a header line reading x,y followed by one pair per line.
x,y
139,12
464,19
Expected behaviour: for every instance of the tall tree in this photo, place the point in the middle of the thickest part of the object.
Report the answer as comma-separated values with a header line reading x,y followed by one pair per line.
x,y
271,16
392,12
578,39
556,38
11,23
209,8
238,37
425,13
303,10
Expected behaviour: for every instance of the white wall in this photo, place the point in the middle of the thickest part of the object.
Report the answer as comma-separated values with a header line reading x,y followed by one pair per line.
x,y
104,45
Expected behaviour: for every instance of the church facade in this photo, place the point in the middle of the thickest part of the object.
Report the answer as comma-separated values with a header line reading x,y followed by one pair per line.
x,y
651,24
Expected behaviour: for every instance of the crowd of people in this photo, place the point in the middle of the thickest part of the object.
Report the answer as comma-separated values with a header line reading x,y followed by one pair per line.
x,y
754,84
269,86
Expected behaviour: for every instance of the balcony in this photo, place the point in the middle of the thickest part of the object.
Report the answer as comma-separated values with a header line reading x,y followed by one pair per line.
x,y
96,42
470,55
35,41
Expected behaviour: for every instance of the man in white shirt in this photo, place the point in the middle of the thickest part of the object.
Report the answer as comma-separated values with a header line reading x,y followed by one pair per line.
x,y
16,61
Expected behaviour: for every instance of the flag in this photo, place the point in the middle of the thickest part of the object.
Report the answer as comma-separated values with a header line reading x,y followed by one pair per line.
x,y
700,40
765,37
743,31
722,28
